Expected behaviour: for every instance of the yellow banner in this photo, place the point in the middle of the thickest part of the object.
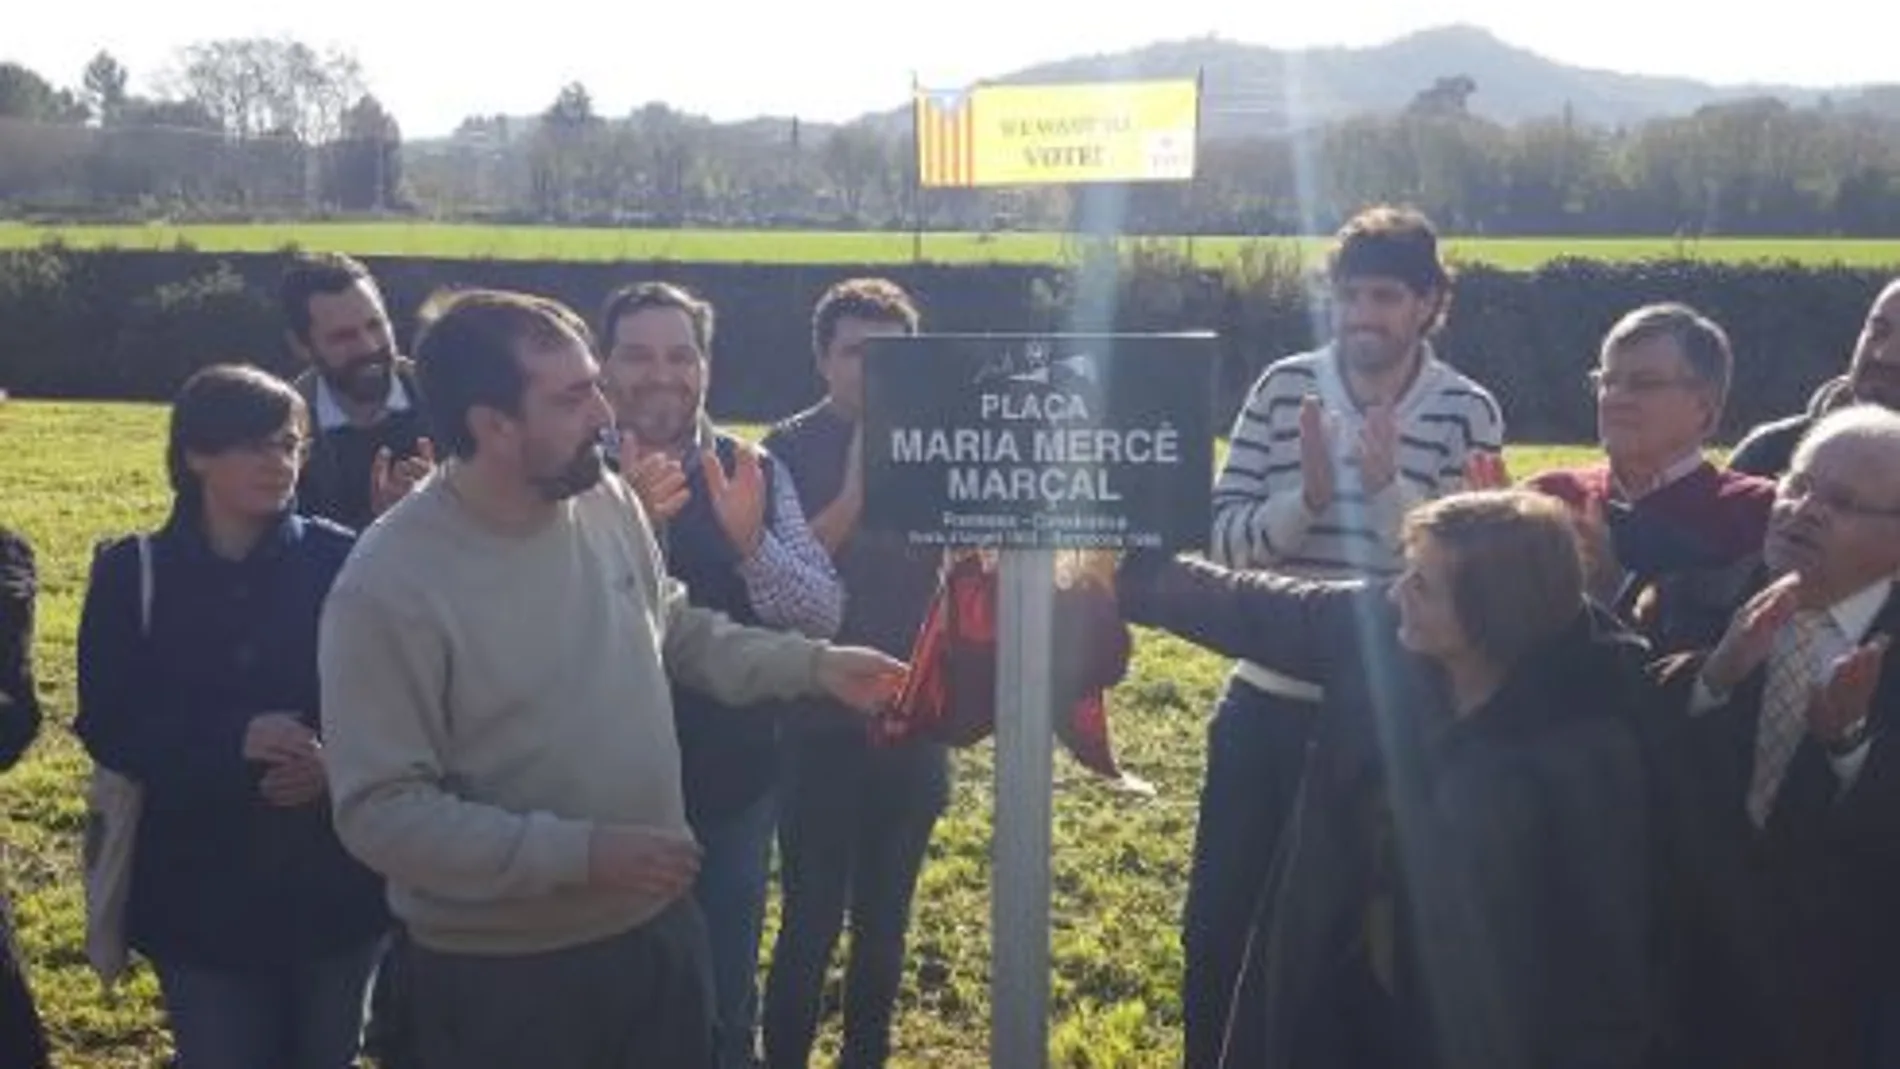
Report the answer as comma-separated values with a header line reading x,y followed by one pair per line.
x,y
997,135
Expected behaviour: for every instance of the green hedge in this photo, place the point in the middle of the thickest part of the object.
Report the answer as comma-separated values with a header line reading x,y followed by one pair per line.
x,y
119,324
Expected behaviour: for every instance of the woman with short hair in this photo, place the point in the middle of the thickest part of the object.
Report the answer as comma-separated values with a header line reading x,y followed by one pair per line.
x,y
263,932
1465,880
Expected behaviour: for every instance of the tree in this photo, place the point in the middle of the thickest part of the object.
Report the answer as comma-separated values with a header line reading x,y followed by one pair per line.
x,y
258,86
104,82
24,94
323,89
364,165
853,156
673,158
560,151
573,108
1446,96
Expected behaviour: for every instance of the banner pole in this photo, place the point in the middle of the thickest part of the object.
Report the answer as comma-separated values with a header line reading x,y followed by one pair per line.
x,y
917,173
1200,102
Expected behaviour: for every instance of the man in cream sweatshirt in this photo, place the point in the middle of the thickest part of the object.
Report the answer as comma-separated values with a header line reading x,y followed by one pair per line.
x,y
498,729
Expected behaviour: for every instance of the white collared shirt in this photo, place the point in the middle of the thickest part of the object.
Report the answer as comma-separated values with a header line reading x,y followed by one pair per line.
x,y
330,415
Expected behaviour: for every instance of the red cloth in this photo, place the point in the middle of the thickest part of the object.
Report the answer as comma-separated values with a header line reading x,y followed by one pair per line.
x,y
950,696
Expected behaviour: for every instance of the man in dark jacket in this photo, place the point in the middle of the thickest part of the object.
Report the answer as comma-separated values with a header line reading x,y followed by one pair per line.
x,y
1465,880
732,530
22,1039
1784,780
1872,376
369,446
370,434
858,816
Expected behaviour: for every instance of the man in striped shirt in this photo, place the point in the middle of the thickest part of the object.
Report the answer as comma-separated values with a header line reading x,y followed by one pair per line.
x,y
1329,451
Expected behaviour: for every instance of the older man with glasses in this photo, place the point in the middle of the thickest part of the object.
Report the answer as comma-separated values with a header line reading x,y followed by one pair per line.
x,y
1670,538
1783,792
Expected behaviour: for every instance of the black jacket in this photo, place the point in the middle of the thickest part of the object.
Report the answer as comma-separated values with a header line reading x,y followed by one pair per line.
x,y
20,712
335,481
220,877
1514,842
1768,449
22,1035
1782,939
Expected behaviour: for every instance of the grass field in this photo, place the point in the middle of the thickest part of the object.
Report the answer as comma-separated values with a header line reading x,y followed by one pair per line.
x,y
76,472
821,247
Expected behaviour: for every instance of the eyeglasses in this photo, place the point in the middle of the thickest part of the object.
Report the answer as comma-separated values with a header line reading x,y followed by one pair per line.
x,y
1798,488
1636,384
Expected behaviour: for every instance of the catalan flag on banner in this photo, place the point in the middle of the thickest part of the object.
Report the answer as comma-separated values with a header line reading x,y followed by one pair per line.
x,y
946,137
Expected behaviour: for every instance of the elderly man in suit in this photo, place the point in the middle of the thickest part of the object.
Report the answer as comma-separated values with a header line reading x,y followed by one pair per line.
x,y
1784,785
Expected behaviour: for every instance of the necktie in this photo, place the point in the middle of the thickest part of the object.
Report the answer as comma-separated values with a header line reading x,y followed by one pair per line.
x,y
1784,709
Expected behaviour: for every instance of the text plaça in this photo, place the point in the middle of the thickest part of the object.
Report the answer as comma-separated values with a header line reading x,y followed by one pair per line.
x,y
1033,407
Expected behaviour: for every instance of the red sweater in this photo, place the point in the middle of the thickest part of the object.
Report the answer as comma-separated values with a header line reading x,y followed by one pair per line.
x,y
1725,511
1691,548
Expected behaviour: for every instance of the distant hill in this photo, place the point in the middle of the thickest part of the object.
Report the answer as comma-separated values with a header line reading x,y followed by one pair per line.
x,y
1256,89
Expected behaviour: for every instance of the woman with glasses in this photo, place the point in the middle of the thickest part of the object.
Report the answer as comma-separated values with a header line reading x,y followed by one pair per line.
x,y
263,932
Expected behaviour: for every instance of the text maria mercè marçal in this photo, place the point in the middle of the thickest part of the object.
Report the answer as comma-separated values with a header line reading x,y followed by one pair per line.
x,y
1045,457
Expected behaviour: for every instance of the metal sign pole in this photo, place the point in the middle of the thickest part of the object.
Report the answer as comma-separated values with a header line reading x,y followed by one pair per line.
x,y
1027,445
1019,903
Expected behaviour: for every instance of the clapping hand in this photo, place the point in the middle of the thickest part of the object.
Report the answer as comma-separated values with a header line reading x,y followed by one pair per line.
x,y
391,480
1847,697
739,500
1316,459
1486,471
656,477
1751,634
1378,449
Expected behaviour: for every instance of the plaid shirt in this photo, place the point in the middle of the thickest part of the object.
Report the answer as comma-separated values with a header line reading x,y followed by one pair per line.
x,y
790,579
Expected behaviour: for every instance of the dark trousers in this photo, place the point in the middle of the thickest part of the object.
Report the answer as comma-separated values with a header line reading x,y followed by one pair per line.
x,y
733,874
22,1036
1256,754
306,1015
638,1000
1886,1042
854,826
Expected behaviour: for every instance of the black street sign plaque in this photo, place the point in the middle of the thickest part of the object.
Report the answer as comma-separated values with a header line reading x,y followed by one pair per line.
x,y
1058,441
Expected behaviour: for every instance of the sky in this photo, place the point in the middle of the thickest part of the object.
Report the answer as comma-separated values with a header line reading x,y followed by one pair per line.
x,y
432,63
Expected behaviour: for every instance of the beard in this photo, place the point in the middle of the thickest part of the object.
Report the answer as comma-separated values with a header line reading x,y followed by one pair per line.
x,y
1372,353
580,474
363,379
